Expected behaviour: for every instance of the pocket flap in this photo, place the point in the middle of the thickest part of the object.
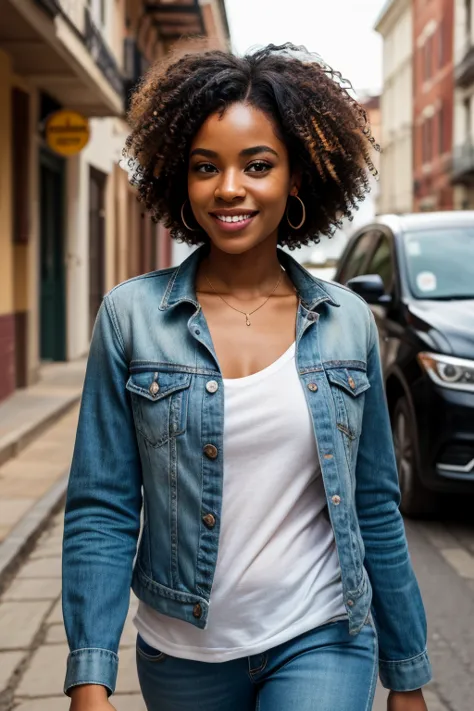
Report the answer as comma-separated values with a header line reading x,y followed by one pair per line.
x,y
156,385
352,381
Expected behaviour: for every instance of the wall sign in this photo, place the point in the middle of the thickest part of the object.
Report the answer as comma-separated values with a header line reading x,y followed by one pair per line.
x,y
67,132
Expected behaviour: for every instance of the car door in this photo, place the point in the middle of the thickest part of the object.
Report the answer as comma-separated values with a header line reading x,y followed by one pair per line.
x,y
383,263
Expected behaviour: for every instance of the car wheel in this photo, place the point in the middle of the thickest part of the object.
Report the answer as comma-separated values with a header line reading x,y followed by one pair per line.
x,y
416,499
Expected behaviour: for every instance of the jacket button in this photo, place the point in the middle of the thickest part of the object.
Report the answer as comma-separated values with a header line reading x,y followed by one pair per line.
x,y
313,387
197,611
311,316
212,386
154,388
210,451
209,520
336,500
352,384
350,603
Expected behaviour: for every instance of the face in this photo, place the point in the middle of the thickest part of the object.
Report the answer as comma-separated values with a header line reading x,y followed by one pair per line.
x,y
239,179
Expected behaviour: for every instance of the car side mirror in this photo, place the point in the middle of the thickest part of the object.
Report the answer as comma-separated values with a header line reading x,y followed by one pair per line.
x,y
371,288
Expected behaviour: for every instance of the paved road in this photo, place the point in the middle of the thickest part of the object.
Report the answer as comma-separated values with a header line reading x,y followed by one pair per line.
x,y
33,648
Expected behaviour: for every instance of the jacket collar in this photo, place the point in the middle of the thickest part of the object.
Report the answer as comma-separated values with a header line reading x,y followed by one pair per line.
x,y
181,284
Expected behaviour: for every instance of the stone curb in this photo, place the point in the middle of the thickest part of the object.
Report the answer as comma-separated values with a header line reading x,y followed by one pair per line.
x,y
12,444
24,535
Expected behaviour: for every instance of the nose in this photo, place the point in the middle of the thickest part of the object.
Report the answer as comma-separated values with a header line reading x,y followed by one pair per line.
x,y
230,186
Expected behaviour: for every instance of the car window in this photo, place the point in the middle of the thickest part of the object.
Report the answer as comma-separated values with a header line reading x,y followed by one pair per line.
x,y
354,262
440,262
382,263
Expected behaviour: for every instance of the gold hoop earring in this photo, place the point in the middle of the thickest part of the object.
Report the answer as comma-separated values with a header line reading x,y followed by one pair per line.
x,y
303,218
191,229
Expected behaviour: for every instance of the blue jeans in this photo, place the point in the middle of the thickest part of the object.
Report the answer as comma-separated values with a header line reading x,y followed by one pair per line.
x,y
325,669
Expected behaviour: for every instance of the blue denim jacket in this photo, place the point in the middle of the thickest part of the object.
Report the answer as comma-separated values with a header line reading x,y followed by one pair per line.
x,y
149,425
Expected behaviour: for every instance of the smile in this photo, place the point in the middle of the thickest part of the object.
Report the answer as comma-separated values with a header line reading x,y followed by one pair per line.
x,y
233,222
233,218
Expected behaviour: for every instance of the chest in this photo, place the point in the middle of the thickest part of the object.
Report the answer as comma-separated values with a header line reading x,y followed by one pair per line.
x,y
243,349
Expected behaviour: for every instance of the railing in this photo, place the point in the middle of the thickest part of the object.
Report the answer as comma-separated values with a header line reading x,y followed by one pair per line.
x,y
101,54
464,69
134,66
75,12
463,162
50,6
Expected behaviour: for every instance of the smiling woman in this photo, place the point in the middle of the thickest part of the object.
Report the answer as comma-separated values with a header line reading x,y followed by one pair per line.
x,y
317,125
244,398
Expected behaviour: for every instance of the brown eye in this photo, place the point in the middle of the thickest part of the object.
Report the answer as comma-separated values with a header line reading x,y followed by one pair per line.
x,y
204,168
259,166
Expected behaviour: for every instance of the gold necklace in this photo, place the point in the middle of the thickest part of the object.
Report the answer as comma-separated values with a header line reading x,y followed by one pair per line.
x,y
247,314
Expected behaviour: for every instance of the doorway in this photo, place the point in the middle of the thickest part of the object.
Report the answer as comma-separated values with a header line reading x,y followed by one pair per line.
x,y
97,182
52,272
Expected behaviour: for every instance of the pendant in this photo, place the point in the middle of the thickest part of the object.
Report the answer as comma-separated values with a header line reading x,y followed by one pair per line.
x,y
247,320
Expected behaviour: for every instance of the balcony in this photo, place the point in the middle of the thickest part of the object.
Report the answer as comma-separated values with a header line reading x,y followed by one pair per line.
x,y
175,19
464,69
57,47
463,163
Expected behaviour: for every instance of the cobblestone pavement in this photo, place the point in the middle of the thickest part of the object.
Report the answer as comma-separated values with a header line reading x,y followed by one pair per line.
x,y
33,648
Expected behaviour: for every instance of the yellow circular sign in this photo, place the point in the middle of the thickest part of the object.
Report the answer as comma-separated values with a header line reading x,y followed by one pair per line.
x,y
67,132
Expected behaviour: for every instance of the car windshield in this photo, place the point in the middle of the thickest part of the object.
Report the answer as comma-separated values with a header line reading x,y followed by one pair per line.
x,y
440,263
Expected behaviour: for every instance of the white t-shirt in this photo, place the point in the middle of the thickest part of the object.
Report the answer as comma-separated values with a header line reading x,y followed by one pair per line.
x,y
277,573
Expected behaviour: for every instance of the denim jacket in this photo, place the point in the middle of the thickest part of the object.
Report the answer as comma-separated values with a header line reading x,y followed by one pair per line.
x,y
151,433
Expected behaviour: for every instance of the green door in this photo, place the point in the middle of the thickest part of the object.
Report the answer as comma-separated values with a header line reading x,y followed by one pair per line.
x,y
52,277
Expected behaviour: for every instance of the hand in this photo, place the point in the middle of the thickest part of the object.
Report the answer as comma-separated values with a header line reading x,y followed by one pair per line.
x,y
406,701
90,697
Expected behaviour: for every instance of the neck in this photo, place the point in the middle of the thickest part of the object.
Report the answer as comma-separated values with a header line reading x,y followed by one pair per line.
x,y
251,273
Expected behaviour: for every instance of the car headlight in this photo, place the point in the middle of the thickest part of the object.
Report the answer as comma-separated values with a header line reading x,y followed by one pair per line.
x,y
447,371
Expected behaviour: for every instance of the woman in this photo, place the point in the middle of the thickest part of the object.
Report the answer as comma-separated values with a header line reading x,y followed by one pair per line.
x,y
246,398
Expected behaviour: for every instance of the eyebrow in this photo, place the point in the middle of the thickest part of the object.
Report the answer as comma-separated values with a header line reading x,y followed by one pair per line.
x,y
254,150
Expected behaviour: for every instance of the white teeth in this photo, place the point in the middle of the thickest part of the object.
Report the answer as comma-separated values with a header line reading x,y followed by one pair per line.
x,y
233,218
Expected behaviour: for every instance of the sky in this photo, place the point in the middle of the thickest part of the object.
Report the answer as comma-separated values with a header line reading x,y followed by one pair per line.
x,y
341,31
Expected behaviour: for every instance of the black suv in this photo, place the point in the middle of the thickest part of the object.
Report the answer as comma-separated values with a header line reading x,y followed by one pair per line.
x,y
417,273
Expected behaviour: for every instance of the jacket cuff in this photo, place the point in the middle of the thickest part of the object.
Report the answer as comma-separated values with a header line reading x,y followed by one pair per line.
x,y
91,666
406,674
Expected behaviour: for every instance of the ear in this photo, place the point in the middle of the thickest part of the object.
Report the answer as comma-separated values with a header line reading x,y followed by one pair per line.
x,y
295,183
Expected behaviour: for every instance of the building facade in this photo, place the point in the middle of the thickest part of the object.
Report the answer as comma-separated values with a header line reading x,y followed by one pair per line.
x,y
433,32
71,227
463,151
395,25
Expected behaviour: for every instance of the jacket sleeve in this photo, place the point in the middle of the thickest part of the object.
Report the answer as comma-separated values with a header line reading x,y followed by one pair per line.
x,y
102,519
397,607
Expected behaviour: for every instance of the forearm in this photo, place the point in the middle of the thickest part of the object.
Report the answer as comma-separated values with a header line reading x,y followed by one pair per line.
x,y
396,604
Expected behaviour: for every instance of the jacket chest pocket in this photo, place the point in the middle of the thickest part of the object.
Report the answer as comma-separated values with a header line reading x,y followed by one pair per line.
x,y
160,404
347,387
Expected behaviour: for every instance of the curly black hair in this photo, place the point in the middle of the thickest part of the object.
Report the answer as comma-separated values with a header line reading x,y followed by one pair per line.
x,y
325,129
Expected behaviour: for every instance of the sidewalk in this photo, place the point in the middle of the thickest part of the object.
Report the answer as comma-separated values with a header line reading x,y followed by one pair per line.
x,y
37,430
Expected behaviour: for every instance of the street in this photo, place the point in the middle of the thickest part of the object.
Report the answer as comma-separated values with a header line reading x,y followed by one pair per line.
x,y
33,640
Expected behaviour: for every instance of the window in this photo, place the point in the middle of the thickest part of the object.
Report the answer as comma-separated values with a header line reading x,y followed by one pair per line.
x,y
427,140
441,43
382,264
441,122
427,58
356,259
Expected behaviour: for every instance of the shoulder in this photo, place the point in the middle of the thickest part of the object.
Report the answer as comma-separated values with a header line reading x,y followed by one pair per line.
x,y
152,285
347,299
354,314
